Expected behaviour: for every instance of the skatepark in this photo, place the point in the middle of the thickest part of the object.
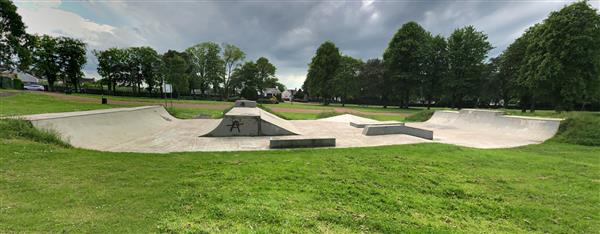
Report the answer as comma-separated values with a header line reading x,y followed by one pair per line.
x,y
247,127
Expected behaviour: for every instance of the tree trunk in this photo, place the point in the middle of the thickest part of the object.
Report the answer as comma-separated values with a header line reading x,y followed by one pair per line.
x,y
532,105
428,102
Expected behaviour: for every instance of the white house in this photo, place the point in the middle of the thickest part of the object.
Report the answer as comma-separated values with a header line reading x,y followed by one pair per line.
x,y
288,95
270,92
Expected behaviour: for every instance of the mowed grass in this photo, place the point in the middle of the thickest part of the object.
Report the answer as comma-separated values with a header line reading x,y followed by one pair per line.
x,y
547,188
421,188
23,103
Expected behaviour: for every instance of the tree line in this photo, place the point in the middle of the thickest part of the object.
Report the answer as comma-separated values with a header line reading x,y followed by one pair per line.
x,y
555,62
55,58
205,68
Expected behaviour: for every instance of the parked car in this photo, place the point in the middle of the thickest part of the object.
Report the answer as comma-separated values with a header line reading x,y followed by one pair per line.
x,y
34,87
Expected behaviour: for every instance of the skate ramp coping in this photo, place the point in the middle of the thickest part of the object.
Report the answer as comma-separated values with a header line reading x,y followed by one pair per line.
x,y
244,121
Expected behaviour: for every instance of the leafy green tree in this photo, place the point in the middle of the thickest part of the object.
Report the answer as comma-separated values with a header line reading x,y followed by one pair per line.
x,y
232,58
405,59
373,82
206,64
265,74
133,64
14,40
175,71
322,70
467,51
436,68
245,77
563,57
112,66
347,79
45,59
71,58
509,64
150,63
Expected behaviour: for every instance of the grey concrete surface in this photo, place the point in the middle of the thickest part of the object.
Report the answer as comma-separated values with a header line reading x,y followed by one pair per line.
x,y
244,103
301,142
374,130
383,123
152,129
244,121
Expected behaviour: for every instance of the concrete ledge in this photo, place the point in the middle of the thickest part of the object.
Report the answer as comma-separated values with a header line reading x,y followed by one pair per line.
x,y
397,129
363,125
299,142
245,103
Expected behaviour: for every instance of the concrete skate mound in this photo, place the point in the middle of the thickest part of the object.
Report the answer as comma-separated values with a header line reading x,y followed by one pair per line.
x,y
244,121
374,130
488,128
496,121
104,128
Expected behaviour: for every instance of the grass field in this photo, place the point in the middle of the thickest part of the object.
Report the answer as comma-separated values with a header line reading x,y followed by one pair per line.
x,y
548,188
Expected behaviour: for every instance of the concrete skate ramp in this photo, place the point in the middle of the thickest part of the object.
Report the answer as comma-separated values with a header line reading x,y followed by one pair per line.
x,y
152,129
110,128
244,121
488,129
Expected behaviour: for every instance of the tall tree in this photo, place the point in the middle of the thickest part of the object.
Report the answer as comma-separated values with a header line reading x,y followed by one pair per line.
x,y
509,65
436,68
206,64
467,51
45,59
347,79
232,58
112,66
405,59
372,81
14,39
322,70
246,79
150,63
175,71
564,55
265,74
71,57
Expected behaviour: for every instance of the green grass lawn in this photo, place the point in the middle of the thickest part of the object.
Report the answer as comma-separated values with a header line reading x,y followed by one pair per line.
x,y
155,100
46,187
24,103
420,188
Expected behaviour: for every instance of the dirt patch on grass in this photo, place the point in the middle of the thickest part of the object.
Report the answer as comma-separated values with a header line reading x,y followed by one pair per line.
x,y
7,94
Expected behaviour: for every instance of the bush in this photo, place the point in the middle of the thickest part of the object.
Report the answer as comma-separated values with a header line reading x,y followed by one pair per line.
x,y
580,129
249,93
328,114
6,82
17,84
22,129
272,100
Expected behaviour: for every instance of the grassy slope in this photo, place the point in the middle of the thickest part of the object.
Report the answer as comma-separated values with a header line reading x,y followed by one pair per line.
x,y
551,187
427,187
31,103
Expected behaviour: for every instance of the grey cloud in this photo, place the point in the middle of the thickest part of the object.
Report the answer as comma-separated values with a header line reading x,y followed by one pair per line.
x,y
288,33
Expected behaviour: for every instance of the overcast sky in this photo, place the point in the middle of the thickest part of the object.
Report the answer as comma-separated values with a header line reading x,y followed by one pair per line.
x,y
286,32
